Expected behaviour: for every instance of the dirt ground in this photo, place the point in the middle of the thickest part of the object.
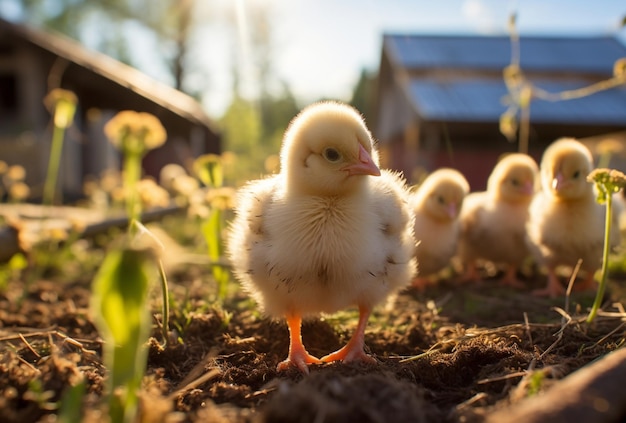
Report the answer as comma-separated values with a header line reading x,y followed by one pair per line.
x,y
452,353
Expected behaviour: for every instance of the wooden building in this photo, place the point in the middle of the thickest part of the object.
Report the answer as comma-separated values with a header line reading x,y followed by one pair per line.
x,y
32,62
440,98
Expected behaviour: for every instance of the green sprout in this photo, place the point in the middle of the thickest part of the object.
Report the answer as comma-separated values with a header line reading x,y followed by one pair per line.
x,y
208,168
12,269
134,134
608,182
120,308
62,106
535,382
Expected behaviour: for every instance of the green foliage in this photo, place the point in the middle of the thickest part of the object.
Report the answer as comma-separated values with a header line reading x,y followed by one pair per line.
x,y
37,393
119,304
62,106
209,171
71,404
241,124
212,230
12,269
364,93
535,383
608,182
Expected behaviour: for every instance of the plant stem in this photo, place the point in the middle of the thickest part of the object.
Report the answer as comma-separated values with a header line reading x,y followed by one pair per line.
x,y
605,260
53,165
132,173
165,324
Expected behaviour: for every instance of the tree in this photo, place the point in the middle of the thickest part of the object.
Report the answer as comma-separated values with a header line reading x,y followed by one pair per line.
x,y
169,21
364,91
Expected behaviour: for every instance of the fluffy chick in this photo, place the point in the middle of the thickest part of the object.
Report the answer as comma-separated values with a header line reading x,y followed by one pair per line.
x,y
331,230
566,223
493,221
437,203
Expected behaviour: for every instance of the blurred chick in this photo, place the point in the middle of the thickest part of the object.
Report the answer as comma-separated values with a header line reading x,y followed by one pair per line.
x,y
329,231
566,222
493,221
437,203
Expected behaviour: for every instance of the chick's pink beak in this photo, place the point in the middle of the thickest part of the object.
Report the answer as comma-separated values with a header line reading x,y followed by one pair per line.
x,y
365,165
452,210
557,182
528,188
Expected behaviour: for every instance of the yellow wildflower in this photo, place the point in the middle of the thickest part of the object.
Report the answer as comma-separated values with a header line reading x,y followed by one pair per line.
x,y
135,132
62,105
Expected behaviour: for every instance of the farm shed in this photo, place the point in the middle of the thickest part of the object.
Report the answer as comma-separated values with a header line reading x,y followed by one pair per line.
x,y
32,62
440,98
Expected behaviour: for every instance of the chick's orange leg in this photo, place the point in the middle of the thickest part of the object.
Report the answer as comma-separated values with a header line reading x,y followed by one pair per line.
x,y
420,283
298,355
353,350
587,284
510,278
471,273
553,289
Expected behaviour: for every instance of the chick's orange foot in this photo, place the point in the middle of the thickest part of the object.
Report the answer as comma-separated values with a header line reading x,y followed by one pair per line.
x,y
553,289
299,359
349,353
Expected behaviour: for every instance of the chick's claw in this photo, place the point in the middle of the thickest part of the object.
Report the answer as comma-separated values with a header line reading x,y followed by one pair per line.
x,y
301,360
347,354
553,289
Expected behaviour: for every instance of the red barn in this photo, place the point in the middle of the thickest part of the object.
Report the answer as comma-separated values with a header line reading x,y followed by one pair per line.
x,y
440,98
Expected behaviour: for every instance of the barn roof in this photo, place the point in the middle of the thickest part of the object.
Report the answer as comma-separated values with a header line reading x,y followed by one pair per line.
x,y
437,82
484,100
114,78
591,54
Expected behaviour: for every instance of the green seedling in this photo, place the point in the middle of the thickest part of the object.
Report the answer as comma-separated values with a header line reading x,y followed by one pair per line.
x,y
142,230
134,134
12,269
208,169
71,403
608,182
121,313
535,383
62,106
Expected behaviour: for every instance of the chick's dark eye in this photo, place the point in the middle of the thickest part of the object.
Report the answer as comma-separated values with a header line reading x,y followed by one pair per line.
x,y
332,155
515,182
576,174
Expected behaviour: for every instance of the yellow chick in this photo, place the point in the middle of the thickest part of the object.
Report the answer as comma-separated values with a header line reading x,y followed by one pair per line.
x,y
331,230
493,221
437,203
566,223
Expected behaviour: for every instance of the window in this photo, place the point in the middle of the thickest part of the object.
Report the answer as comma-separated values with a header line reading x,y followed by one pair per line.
x,y
8,94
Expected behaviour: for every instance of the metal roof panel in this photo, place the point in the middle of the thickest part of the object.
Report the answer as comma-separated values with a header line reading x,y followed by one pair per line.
x,y
593,54
483,100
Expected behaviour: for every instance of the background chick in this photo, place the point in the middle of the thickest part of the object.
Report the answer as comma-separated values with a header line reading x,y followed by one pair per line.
x,y
566,223
437,203
493,221
329,231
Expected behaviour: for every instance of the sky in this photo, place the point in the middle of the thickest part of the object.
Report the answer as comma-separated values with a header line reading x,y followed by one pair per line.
x,y
320,47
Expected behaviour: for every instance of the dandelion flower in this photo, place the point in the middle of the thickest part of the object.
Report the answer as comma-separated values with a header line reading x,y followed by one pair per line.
x,y
169,173
19,191
208,168
221,198
16,173
135,132
62,105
